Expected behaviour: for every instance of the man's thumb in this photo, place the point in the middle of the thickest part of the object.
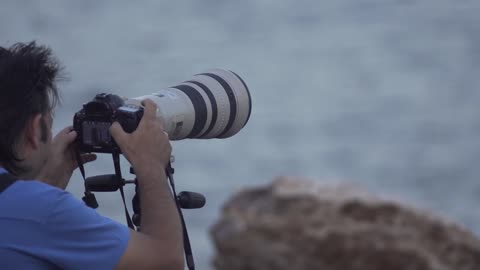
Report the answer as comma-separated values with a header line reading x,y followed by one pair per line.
x,y
118,133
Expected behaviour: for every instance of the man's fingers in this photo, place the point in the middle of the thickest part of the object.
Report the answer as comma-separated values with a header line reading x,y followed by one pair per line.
x,y
65,137
150,112
118,133
162,122
63,134
70,137
150,109
66,130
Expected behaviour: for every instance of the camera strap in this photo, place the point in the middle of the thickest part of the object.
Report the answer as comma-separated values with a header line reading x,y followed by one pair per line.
x,y
118,174
186,240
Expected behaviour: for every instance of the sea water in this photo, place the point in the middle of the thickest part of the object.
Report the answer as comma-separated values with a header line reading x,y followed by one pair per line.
x,y
383,94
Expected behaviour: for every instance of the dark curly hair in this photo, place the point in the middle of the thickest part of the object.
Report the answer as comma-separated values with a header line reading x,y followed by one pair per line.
x,y
28,75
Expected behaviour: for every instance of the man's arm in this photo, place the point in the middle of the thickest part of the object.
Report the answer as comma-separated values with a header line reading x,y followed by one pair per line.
x,y
159,245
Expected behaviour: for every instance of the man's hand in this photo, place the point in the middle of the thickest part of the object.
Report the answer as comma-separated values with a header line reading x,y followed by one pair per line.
x,y
148,147
62,162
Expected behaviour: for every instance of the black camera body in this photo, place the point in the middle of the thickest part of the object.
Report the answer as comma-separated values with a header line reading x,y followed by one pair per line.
x,y
93,121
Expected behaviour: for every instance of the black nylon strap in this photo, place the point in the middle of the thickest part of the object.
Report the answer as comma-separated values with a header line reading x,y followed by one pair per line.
x,y
186,240
127,215
118,173
6,180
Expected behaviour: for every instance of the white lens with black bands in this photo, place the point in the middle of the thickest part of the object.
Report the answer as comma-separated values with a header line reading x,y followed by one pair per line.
x,y
213,104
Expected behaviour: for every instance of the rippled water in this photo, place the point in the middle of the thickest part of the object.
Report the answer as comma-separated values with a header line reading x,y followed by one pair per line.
x,y
381,93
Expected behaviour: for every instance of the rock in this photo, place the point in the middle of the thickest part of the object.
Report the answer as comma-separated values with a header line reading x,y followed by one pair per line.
x,y
299,224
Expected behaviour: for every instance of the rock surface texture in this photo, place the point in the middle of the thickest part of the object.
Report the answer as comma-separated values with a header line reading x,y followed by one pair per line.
x,y
298,224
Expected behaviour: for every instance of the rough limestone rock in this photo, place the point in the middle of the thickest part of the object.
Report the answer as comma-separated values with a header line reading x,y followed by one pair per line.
x,y
297,224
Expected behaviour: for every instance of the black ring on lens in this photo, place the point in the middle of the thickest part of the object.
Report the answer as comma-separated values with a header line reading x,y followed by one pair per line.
x,y
213,101
231,99
199,106
249,97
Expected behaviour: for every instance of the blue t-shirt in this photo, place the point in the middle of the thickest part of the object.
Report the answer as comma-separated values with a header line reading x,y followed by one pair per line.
x,y
43,227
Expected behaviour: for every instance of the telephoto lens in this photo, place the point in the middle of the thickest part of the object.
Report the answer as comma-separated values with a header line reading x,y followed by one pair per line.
x,y
213,104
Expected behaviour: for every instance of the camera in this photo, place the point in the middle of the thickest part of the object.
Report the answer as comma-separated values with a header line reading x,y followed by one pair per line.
x,y
213,104
92,123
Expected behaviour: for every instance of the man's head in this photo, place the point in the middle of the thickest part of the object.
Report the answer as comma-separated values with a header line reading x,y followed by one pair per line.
x,y
28,95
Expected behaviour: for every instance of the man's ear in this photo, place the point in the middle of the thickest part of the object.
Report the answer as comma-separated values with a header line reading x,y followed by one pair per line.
x,y
33,131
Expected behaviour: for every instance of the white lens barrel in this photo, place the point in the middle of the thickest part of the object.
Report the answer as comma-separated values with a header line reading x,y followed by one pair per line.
x,y
206,97
214,104
174,109
240,95
219,101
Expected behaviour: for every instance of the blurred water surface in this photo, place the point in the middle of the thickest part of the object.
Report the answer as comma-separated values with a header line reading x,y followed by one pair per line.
x,y
381,93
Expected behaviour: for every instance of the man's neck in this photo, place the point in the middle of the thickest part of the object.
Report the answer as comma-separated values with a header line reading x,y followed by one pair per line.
x,y
26,175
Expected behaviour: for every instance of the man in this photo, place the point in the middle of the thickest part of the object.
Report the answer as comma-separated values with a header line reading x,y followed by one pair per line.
x,y
44,227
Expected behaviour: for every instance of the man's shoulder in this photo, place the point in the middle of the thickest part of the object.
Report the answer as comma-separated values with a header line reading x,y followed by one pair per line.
x,y
50,224
29,200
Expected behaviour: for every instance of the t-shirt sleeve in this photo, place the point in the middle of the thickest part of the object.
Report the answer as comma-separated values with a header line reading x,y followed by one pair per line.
x,y
80,238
